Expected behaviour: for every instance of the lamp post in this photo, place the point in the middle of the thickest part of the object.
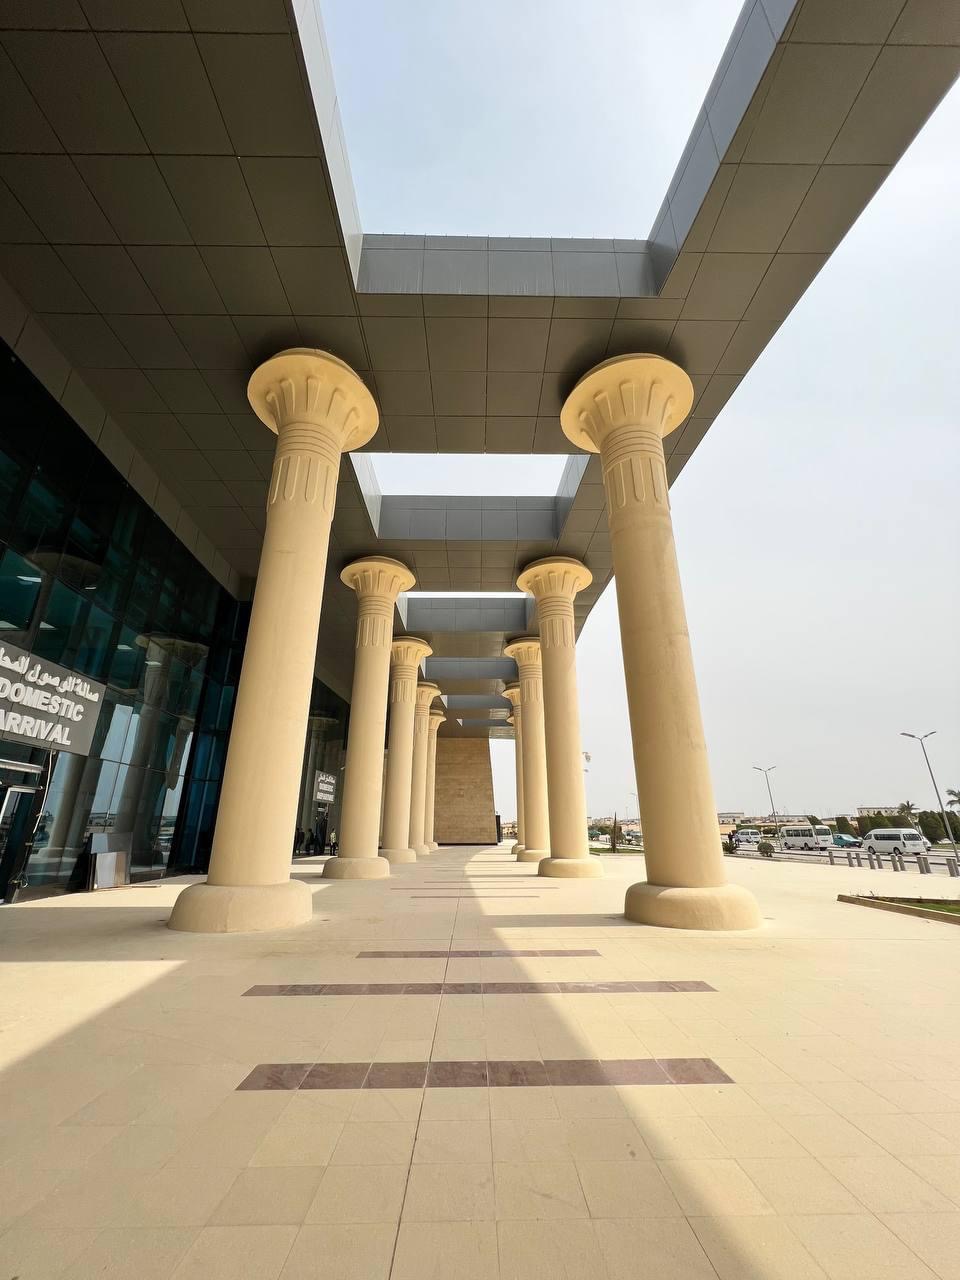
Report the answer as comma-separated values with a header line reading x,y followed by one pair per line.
x,y
766,777
921,738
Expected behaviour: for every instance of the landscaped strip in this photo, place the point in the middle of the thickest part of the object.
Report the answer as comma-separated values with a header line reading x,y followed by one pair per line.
x,y
947,910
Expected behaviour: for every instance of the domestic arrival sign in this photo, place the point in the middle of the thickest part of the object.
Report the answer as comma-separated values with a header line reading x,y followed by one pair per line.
x,y
45,704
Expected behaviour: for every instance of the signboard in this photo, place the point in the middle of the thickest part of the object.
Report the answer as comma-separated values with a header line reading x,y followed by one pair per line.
x,y
326,788
46,705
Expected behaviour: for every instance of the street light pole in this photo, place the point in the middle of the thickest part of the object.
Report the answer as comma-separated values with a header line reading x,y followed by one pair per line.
x,y
766,777
921,738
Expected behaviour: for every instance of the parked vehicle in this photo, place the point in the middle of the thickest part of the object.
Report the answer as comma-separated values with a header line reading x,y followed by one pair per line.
x,y
746,837
847,842
895,840
806,837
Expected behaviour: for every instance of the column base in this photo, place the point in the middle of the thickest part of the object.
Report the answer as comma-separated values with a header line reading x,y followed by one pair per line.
x,y
533,855
341,868
516,850
724,906
398,855
421,850
571,868
432,846
241,908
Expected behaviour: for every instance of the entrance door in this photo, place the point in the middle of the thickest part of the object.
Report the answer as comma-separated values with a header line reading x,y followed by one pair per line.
x,y
18,805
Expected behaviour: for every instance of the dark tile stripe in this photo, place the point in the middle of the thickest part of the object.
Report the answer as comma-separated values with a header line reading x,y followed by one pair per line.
x,y
475,988
496,1074
466,955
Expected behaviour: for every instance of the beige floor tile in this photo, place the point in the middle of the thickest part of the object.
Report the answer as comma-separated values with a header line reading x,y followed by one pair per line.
x,y
41,1253
140,1146
237,1253
359,1193
721,1100
460,1104
453,1142
757,1136
912,1135
65,1146
857,1247
76,1200
605,1140
783,1098
403,1050
175,1197
830,1136
387,1104
946,1124
438,1250
652,1249
713,1188
21,1189
626,1189
755,1249
534,1103
851,1098
549,1251
321,1106
449,1193
640,1100
517,1141
584,1100
800,1186
885,1185
915,1097
934,1238
307,1144
269,1197
137,1253
549,1189
680,1138
374,1142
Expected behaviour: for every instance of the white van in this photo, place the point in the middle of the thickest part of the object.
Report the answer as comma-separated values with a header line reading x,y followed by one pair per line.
x,y
894,840
807,837
746,837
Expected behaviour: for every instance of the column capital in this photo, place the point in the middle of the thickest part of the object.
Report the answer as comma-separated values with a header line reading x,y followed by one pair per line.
x,y
554,576
512,694
305,385
437,718
377,576
525,651
409,651
426,692
628,391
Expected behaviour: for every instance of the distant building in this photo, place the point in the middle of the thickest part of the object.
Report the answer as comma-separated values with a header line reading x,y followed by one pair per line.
x,y
729,819
887,810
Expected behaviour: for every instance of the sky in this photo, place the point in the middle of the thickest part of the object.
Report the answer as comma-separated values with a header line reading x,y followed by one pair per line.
x,y
818,524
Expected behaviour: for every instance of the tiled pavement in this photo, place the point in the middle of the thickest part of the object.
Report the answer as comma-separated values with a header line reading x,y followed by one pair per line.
x,y
423,1112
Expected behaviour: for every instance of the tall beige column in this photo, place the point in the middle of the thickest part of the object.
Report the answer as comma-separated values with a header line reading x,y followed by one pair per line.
x,y
408,653
426,692
512,693
622,409
377,581
319,409
525,651
554,583
430,793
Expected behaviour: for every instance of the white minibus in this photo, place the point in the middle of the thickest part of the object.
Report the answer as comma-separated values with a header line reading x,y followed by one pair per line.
x,y
806,837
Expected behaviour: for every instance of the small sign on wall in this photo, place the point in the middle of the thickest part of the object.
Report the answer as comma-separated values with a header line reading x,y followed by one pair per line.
x,y
47,705
326,788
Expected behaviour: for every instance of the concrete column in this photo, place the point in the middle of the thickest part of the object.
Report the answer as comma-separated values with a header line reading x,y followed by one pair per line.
x,y
319,409
512,694
426,693
407,654
622,409
554,583
436,719
536,827
377,581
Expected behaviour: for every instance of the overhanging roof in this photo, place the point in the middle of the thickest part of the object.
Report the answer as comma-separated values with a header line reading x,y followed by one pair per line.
x,y
176,205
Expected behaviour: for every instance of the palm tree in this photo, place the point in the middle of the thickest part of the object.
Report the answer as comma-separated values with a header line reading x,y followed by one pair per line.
x,y
908,811
954,801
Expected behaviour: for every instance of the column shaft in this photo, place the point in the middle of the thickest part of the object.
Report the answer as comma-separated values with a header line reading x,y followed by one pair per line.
x,y
319,408
377,582
418,787
430,793
554,583
512,694
408,653
623,408
526,652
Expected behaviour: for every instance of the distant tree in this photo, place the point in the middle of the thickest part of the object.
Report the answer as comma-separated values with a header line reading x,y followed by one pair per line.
x,y
954,801
864,824
812,819
879,820
931,824
954,820
843,826
907,810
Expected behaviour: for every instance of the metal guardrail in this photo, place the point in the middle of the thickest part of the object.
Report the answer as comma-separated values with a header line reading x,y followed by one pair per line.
x,y
924,863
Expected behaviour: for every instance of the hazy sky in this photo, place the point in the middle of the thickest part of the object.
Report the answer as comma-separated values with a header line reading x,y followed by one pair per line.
x,y
817,525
